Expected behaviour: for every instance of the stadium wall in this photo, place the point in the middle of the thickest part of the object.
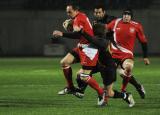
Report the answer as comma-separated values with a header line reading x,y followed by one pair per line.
x,y
27,33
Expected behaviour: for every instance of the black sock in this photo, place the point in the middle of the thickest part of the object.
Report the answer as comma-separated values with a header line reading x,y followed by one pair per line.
x,y
118,94
81,84
134,82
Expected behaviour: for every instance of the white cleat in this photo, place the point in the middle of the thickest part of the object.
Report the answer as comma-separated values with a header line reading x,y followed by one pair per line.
x,y
64,91
101,100
129,99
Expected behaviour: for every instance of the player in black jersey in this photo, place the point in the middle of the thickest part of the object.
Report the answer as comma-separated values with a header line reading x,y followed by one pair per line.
x,y
101,16
106,65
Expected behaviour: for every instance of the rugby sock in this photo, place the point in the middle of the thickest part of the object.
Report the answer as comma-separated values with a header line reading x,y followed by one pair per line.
x,y
93,83
118,94
134,82
124,83
67,70
106,96
81,84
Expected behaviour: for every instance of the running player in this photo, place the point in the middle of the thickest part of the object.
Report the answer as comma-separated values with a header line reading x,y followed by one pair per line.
x,y
87,56
125,33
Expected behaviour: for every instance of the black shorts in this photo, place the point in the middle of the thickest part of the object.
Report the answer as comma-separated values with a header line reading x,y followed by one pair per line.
x,y
108,73
76,56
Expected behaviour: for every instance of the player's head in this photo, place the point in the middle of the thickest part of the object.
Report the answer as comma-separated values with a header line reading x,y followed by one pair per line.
x,y
72,10
99,12
99,30
127,15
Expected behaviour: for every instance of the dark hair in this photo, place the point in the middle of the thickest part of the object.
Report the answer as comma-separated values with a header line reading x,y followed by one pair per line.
x,y
74,5
128,11
100,6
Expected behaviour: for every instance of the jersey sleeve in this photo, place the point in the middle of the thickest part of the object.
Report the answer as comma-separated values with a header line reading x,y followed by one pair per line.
x,y
140,34
79,22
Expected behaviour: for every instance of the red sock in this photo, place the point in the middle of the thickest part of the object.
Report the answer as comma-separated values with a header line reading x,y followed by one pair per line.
x,y
124,84
68,75
93,83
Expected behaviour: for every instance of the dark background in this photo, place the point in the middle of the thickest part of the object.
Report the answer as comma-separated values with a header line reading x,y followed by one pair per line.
x,y
26,25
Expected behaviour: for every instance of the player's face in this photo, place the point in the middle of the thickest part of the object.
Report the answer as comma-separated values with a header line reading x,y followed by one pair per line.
x,y
126,17
71,12
99,13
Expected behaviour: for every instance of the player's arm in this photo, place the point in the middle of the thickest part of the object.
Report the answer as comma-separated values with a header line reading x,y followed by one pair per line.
x,y
144,44
145,53
99,42
71,35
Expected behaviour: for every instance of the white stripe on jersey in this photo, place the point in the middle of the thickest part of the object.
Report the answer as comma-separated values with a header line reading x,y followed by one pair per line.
x,y
115,39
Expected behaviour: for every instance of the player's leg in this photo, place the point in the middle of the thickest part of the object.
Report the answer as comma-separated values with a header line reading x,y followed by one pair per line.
x,y
131,79
81,84
109,77
108,74
67,70
123,95
138,86
86,77
66,62
88,62
125,72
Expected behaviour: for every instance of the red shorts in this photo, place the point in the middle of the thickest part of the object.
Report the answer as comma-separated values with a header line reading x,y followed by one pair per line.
x,y
121,55
84,59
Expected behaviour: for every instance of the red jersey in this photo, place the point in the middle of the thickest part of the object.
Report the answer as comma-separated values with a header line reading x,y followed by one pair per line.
x,y
82,21
125,35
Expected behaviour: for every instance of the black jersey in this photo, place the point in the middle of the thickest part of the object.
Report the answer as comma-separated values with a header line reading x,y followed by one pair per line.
x,y
106,19
101,44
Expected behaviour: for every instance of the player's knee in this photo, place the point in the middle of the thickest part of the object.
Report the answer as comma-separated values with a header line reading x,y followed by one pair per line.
x,y
64,63
128,66
84,77
121,72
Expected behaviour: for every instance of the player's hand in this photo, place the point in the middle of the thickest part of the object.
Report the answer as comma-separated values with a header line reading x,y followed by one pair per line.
x,y
67,25
146,61
57,33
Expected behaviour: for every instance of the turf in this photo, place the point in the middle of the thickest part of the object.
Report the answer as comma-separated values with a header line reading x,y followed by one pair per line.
x,y
29,86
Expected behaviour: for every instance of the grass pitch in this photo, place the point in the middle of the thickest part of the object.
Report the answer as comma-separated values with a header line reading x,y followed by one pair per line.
x,y
29,86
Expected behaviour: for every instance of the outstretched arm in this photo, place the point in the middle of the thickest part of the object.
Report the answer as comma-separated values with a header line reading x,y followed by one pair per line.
x,y
70,35
99,42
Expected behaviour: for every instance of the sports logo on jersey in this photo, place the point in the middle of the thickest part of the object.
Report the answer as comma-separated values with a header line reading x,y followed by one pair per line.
x,y
118,28
131,30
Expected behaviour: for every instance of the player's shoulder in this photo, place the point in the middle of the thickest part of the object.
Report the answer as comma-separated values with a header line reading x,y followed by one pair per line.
x,y
82,15
135,23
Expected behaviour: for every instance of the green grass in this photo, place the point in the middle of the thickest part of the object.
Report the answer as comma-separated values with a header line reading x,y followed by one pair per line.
x,y
29,86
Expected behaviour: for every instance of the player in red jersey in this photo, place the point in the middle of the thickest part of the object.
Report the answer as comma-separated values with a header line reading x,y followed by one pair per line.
x,y
125,33
84,54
